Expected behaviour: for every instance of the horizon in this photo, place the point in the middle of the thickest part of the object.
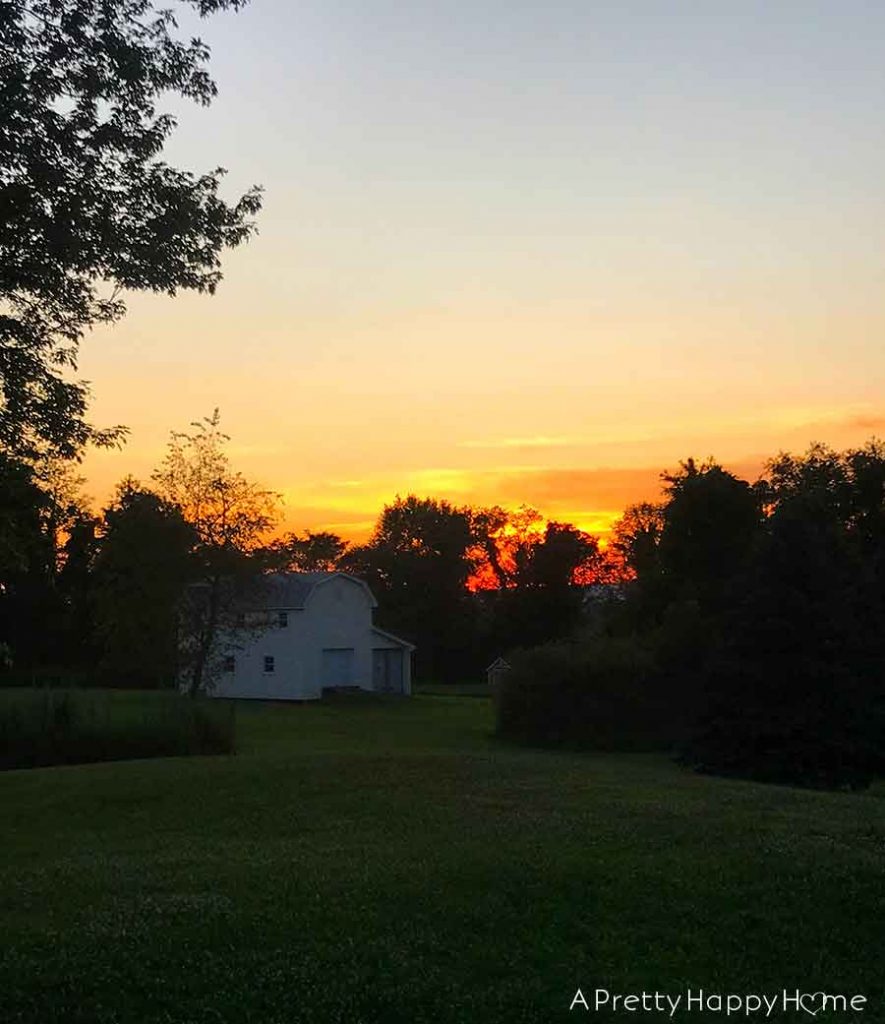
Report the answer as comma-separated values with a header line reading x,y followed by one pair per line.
x,y
639,485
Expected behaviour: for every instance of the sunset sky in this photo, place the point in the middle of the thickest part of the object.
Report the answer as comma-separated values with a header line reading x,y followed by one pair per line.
x,y
522,253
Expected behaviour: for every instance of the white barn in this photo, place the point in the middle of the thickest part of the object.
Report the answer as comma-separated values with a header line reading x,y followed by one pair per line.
x,y
308,631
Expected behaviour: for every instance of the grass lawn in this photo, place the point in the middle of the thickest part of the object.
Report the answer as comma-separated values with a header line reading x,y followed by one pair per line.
x,y
452,689
391,862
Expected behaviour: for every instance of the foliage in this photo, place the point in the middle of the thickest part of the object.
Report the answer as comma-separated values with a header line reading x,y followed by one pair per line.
x,y
543,598
606,688
40,513
25,546
754,623
512,551
795,692
74,583
693,544
230,517
417,562
46,727
636,536
710,521
89,210
144,562
594,696
504,540
523,581
312,552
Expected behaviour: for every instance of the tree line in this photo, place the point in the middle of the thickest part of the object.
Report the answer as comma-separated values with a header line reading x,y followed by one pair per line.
x,y
751,640
739,624
137,595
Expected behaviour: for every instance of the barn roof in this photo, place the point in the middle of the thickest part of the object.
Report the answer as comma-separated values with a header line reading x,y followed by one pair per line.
x,y
290,590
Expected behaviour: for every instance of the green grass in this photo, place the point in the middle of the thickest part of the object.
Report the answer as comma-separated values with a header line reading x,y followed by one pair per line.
x,y
389,861
452,689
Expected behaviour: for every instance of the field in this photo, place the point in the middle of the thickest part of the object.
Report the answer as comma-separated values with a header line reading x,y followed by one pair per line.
x,y
371,861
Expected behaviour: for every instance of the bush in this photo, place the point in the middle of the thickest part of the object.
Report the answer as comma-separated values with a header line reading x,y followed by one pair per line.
x,y
47,727
602,693
817,729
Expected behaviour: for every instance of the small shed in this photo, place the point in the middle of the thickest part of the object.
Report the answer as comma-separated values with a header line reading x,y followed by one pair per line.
x,y
496,671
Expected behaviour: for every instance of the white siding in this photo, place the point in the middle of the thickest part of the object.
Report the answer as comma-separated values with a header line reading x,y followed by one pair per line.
x,y
337,615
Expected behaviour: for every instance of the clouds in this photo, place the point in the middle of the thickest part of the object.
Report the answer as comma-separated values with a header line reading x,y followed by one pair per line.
x,y
592,499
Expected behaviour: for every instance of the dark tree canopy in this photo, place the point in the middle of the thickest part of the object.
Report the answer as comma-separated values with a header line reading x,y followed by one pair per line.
x,y
636,537
750,640
88,210
314,552
417,562
710,519
143,564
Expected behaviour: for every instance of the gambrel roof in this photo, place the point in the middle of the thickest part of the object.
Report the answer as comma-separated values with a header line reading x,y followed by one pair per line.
x,y
290,591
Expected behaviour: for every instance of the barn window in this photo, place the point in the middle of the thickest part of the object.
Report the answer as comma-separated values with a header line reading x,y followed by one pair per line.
x,y
282,619
229,663
268,663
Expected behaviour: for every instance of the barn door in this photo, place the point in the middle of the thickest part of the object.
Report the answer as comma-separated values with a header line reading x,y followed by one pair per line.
x,y
387,669
337,669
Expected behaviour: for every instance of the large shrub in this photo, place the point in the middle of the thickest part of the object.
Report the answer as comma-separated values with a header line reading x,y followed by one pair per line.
x,y
797,691
602,693
817,726
46,727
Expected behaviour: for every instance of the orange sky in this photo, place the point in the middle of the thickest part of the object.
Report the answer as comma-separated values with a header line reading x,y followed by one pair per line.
x,y
527,260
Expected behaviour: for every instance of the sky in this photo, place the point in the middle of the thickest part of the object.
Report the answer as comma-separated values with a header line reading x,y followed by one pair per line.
x,y
521,253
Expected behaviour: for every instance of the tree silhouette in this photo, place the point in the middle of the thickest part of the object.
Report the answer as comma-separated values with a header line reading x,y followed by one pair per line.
x,y
636,536
418,561
88,210
145,561
313,552
795,652
710,520
537,574
27,562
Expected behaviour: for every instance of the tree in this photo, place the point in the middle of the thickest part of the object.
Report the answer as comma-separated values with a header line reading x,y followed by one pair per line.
x,y
503,541
418,561
74,583
534,577
562,558
24,543
795,693
140,573
45,548
230,517
512,550
314,552
636,536
88,210
710,521
27,561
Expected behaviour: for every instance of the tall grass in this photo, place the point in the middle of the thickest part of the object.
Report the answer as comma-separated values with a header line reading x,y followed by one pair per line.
x,y
47,727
